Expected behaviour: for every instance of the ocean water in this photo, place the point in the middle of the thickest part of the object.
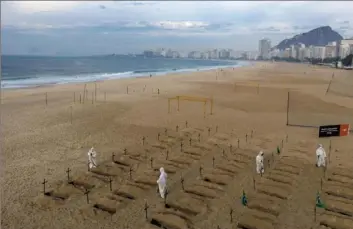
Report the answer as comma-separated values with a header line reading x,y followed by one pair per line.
x,y
33,71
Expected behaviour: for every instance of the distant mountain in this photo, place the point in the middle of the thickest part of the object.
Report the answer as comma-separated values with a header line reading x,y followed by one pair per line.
x,y
317,37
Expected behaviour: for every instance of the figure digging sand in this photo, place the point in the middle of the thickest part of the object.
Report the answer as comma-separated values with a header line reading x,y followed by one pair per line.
x,y
162,182
92,158
320,156
260,163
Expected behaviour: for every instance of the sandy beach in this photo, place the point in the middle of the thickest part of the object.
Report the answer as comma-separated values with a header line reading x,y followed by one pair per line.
x,y
48,130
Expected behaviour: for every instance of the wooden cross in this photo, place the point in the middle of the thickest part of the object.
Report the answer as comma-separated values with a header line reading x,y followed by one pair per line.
x,y
86,193
165,198
177,128
110,183
130,171
143,140
182,182
213,161
43,183
68,174
186,124
125,151
181,146
113,156
190,141
151,160
146,209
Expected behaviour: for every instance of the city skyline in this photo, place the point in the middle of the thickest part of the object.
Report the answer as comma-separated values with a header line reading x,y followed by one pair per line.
x,y
94,28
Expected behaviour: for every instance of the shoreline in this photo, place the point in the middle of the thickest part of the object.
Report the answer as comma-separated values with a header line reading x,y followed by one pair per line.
x,y
135,76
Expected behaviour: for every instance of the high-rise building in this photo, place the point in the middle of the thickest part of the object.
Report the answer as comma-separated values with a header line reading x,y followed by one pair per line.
x,y
264,48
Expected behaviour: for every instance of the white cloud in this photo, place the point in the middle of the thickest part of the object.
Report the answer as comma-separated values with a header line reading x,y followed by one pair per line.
x,y
230,22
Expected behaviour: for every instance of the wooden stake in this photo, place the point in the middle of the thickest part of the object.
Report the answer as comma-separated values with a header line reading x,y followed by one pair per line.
x,y
209,131
165,131
80,98
190,141
68,174
158,91
46,98
130,172
92,97
84,93
238,142
105,96
146,210
110,183
125,151
158,136
86,193
177,128
186,124
127,90
216,129
167,155
246,138
254,183
231,215
213,161
74,97
315,213
43,183
143,140
200,171
71,114
199,137
182,182
181,146
230,148
151,160
113,157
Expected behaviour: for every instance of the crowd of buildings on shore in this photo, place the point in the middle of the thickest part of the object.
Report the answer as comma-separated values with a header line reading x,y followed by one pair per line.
x,y
336,49
225,54
265,52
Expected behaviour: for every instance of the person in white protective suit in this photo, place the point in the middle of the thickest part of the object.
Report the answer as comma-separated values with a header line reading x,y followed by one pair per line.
x,y
92,158
162,182
320,156
260,163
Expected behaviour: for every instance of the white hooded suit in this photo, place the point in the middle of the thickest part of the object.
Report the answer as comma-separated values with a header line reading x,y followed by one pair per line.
x,y
260,163
162,182
320,156
92,158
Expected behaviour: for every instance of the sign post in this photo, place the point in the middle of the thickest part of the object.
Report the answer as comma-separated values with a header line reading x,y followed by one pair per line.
x,y
334,130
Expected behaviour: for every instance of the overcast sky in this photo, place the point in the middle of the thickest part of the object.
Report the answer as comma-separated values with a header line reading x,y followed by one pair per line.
x,y
89,28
